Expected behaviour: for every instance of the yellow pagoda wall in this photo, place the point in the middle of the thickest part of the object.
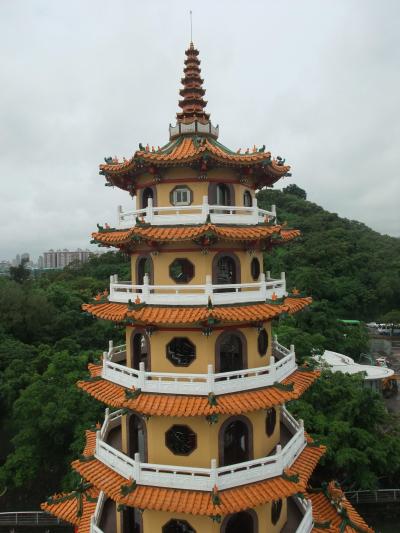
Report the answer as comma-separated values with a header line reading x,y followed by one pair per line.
x,y
205,348
155,520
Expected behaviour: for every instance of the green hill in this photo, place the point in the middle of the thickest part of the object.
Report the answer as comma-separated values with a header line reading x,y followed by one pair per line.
x,y
354,268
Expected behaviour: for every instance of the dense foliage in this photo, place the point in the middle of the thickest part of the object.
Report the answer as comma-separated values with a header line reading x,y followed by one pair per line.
x,y
46,342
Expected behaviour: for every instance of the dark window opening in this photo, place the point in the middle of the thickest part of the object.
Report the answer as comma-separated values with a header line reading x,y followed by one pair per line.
x,y
147,193
225,272
247,199
137,440
240,523
132,520
181,270
181,351
262,342
223,196
270,421
255,268
143,267
181,440
140,350
236,443
178,526
276,509
230,353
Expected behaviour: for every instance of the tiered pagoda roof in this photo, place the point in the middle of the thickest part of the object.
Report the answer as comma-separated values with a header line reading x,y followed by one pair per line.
x,y
192,92
182,405
154,234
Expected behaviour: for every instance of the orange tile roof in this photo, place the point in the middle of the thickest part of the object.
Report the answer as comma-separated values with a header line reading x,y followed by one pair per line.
x,y
182,405
149,314
198,502
324,511
120,238
67,508
188,149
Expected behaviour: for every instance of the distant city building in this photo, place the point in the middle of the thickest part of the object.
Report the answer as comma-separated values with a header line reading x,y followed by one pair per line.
x,y
62,258
4,267
40,263
25,258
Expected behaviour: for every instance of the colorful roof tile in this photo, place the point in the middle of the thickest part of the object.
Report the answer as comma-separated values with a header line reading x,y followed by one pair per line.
x,y
174,315
198,502
328,519
181,405
74,508
148,233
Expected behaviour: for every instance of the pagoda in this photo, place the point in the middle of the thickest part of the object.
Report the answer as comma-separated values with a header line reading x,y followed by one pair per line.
x,y
196,436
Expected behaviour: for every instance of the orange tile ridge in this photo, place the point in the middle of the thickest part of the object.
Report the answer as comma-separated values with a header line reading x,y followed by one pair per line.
x,y
175,315
199,502
333,513
180,405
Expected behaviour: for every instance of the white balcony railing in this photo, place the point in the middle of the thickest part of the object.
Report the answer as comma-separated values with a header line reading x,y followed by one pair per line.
x,y
95,519
188,294
195,214
204,479
201,384
306,525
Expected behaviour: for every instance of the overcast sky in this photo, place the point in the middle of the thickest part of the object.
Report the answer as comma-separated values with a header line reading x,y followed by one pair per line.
x,y
317,81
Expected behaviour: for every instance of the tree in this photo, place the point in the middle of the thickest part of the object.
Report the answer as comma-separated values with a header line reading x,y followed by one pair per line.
x,y
20,273
296,191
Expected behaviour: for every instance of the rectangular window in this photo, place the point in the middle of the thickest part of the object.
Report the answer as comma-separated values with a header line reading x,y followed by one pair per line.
x,y
181,196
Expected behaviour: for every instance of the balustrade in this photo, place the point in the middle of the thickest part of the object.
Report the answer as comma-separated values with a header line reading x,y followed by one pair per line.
x,y
204,479
196,214
201,384
125,291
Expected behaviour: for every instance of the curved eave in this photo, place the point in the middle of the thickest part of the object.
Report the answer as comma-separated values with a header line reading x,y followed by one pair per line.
x,y
66,507
123,238
187,315
180,405
196,502
188,150
325,512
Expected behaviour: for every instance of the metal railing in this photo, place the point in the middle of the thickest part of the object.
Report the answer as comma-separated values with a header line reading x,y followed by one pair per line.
x,y
204,479
374,496
29,518
125,291
202,384
196,214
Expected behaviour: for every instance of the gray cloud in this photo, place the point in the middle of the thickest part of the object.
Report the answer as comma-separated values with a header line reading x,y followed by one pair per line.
x,y
317,82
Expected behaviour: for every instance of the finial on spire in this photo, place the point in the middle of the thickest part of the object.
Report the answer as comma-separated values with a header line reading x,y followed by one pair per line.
x,y
191,28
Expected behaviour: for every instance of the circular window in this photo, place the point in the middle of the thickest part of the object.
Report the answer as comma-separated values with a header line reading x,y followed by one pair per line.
x,y
262,342
270,421
181,440
181,270
177,526
276,509
255,268
181,351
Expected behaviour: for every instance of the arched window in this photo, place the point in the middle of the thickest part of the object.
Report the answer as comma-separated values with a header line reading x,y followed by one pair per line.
x,y
140,350
144,265
270,421
262,342
276,509
255,268
132,520
230,353
235,441
225,270
247,199
244,522
177,526
147,193
223,196
137,437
